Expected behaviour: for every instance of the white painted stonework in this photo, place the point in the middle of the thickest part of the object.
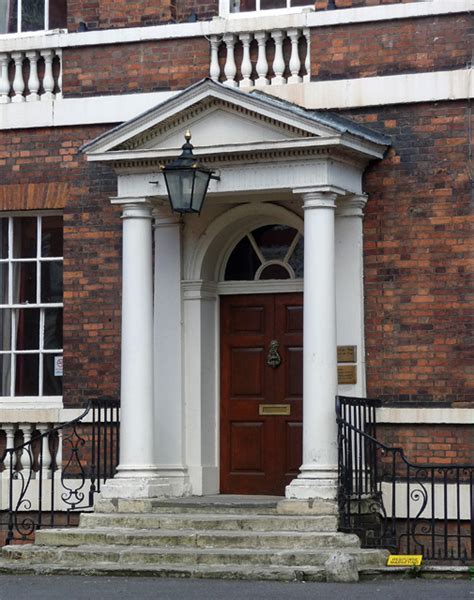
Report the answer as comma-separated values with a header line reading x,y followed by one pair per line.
x,y
272,158
342,93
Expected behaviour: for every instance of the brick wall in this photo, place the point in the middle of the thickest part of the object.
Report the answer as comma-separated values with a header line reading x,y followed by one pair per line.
x,y
138,67
389,48
42,169
107,14
441,444
323,4
417,252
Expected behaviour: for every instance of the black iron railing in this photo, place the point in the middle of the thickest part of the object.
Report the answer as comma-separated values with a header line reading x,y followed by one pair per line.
x,y
392,503
50,479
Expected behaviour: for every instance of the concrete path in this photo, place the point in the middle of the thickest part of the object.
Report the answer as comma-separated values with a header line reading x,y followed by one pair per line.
x,y
124,588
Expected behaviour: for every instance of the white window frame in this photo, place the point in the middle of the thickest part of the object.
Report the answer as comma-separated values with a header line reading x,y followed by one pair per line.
x,y
225,9
39,400
46,27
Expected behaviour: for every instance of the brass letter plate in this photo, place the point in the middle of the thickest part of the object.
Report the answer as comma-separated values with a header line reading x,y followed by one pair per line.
x,y
347,354
347,374
274,409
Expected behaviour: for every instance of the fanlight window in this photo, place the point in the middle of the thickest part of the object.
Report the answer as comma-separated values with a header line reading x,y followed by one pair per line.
x,y
269,252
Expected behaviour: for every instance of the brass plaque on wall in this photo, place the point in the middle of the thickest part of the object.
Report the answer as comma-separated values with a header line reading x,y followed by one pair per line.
x,y
274,409
347,354
347,374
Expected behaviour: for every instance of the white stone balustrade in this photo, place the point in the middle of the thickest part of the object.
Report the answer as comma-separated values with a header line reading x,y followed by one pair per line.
x,y
30,76
15,435
277,57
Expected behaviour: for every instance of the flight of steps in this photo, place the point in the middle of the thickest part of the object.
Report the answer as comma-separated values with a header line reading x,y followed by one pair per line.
x,y
215,537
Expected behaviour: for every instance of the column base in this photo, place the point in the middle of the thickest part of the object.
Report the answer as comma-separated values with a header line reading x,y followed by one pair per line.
x,y
177,479
135,488
313,482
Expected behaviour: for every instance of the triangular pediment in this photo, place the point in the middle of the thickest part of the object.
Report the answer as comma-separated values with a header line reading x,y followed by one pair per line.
x,y
222,120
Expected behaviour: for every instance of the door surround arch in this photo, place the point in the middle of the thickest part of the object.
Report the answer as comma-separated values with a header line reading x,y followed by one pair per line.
x,y
202,286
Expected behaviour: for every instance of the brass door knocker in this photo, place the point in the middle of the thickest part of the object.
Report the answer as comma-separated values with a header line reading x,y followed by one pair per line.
x,y
273,358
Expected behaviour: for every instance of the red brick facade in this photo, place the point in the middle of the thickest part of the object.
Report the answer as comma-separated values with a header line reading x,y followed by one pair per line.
x,y
138,67
51,174
381,48
417,226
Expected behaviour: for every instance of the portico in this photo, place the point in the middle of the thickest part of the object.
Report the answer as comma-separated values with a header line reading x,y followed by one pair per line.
x,y
279,166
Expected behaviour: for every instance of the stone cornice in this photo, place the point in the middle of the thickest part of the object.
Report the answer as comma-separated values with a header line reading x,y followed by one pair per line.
x,y
233,24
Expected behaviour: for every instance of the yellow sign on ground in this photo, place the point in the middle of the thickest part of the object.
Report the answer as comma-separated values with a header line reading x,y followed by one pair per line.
x,y
404,560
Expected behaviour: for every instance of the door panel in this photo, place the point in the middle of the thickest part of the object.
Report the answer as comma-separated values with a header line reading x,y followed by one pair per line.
x,y
260,454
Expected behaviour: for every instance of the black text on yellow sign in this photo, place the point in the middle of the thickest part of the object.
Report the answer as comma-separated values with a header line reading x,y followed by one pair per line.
x,y
404,560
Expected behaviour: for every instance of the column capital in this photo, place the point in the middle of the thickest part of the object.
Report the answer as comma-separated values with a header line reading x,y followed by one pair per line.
x,y
314,197
352,206
134,208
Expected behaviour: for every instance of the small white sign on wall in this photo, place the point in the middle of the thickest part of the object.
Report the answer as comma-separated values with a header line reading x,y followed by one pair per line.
x,y
58,366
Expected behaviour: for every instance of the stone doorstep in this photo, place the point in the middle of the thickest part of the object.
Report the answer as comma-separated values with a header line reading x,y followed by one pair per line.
x,y
202,521
200,539
219,503
289,574
280,573
188,556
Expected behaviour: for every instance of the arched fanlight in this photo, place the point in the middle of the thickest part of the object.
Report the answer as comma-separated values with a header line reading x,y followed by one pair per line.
x,y
187,180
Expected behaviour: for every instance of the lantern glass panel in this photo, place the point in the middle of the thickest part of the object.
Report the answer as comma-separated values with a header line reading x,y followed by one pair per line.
x,y
180,186
201,181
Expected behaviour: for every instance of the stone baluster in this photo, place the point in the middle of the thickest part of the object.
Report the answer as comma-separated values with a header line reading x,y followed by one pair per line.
x,y
59,455
18,81
230,68
278,61
10,458
246,66
26,457
262,63
45,454
214,69
295,63
4,81
33,81
48,79
307,62
59,54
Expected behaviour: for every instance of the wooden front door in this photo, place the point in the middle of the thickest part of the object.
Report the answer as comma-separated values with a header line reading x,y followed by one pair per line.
x,y
261,453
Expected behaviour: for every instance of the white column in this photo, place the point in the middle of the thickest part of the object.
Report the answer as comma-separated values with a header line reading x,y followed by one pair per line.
x,y
307,61
136,473
278,61
26,457
33,80
59,455
214,69
295,63
45,454
246,66
169,409
59,93
4,81
48,79
318,473
350,285
18,81
10,458
230,69
262,63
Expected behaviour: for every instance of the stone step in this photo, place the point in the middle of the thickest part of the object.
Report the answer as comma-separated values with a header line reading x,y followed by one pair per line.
x,y
202,521
222,503
186,556
265,573
191,538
